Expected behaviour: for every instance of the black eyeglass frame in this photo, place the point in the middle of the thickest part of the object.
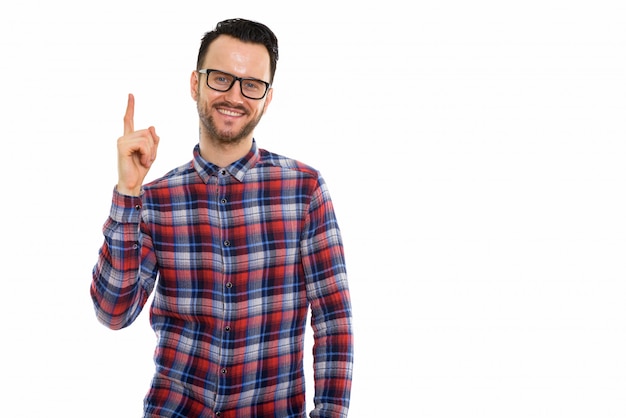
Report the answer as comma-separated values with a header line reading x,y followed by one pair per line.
x,y
207,71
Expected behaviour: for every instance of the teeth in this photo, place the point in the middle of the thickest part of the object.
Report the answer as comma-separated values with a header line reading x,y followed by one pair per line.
x,y
228,112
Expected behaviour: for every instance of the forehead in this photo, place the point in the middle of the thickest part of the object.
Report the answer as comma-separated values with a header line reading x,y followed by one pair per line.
x,y
241,58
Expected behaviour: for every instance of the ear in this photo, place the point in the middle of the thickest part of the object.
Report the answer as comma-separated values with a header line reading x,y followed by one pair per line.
x,y
268,98
194,82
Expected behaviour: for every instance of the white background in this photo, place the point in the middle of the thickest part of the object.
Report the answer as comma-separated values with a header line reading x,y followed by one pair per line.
x,y
475,152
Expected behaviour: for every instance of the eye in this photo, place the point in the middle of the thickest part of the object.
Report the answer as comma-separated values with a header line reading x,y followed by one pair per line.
x,y
221,79
253,85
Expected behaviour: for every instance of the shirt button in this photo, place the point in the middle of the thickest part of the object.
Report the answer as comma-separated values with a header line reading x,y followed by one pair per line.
x,y
223,172
223,371
218,414
135,246
227,328
223,200
229,285
137,207
227,243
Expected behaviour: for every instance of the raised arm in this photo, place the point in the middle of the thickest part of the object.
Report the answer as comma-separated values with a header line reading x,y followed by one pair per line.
x,y
125,273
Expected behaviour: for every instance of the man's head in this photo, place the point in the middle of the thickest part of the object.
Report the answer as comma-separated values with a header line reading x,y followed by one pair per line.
x,y
232,81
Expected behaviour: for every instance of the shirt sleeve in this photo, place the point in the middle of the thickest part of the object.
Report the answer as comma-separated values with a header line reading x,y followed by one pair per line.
x,y
124,275
331,313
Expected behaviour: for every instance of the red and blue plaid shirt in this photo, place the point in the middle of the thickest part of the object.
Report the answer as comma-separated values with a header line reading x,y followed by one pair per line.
x,y
240,254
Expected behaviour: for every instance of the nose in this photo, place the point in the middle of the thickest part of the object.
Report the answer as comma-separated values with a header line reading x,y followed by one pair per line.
x,y
234,93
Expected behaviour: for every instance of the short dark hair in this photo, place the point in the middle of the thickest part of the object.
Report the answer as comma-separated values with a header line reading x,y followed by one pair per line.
x,y
245,31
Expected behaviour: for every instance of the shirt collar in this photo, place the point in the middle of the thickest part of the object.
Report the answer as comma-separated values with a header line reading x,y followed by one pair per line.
x,y
238,169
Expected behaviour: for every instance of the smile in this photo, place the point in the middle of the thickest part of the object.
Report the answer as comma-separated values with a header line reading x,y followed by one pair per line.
x,y
229,112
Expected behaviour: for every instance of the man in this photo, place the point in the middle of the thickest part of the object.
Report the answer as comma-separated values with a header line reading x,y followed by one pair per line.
x,y
242,241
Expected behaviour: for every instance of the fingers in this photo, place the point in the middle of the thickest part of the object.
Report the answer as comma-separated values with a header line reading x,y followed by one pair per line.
x,y
151,141
136,152
155,142
129,117
140,145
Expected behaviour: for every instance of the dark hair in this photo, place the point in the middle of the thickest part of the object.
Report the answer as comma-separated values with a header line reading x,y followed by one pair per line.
x,y
246,31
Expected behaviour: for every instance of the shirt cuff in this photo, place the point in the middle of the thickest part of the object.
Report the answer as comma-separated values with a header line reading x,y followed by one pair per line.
x,y
125,209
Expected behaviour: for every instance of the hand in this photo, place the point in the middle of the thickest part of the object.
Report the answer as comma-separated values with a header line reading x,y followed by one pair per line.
x,y
136,151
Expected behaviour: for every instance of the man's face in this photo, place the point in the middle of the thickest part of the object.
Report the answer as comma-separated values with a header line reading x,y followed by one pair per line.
x,y
229,117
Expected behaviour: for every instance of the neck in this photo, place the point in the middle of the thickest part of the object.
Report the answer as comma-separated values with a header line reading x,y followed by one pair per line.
x,y
224,154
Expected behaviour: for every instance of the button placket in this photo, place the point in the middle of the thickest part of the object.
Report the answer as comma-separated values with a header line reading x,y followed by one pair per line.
x,y
137,208
222,202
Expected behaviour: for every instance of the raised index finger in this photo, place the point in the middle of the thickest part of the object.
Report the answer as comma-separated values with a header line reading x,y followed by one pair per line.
x,y
129,117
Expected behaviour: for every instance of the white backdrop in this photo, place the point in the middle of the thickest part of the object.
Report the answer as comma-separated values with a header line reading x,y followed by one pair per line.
x,y
474,150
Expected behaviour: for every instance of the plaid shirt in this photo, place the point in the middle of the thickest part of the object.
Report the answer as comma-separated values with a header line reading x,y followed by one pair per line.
x,y
240,254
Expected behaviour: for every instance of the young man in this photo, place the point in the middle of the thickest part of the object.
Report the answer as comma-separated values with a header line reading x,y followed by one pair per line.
x,y
242,242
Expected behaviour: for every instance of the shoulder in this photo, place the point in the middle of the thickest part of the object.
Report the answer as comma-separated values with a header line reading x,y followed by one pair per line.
x,y
271,159
178,175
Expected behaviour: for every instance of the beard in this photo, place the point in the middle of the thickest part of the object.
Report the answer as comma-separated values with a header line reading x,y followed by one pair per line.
x,y
226,136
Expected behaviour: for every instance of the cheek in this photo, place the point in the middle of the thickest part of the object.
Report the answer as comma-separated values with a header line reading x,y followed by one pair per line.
x,y
264,108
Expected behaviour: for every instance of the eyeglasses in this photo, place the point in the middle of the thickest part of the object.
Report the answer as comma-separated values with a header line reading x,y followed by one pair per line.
x,y
252,88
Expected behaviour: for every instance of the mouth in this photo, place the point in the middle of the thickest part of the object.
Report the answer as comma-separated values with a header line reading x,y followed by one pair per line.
x,y
229,112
